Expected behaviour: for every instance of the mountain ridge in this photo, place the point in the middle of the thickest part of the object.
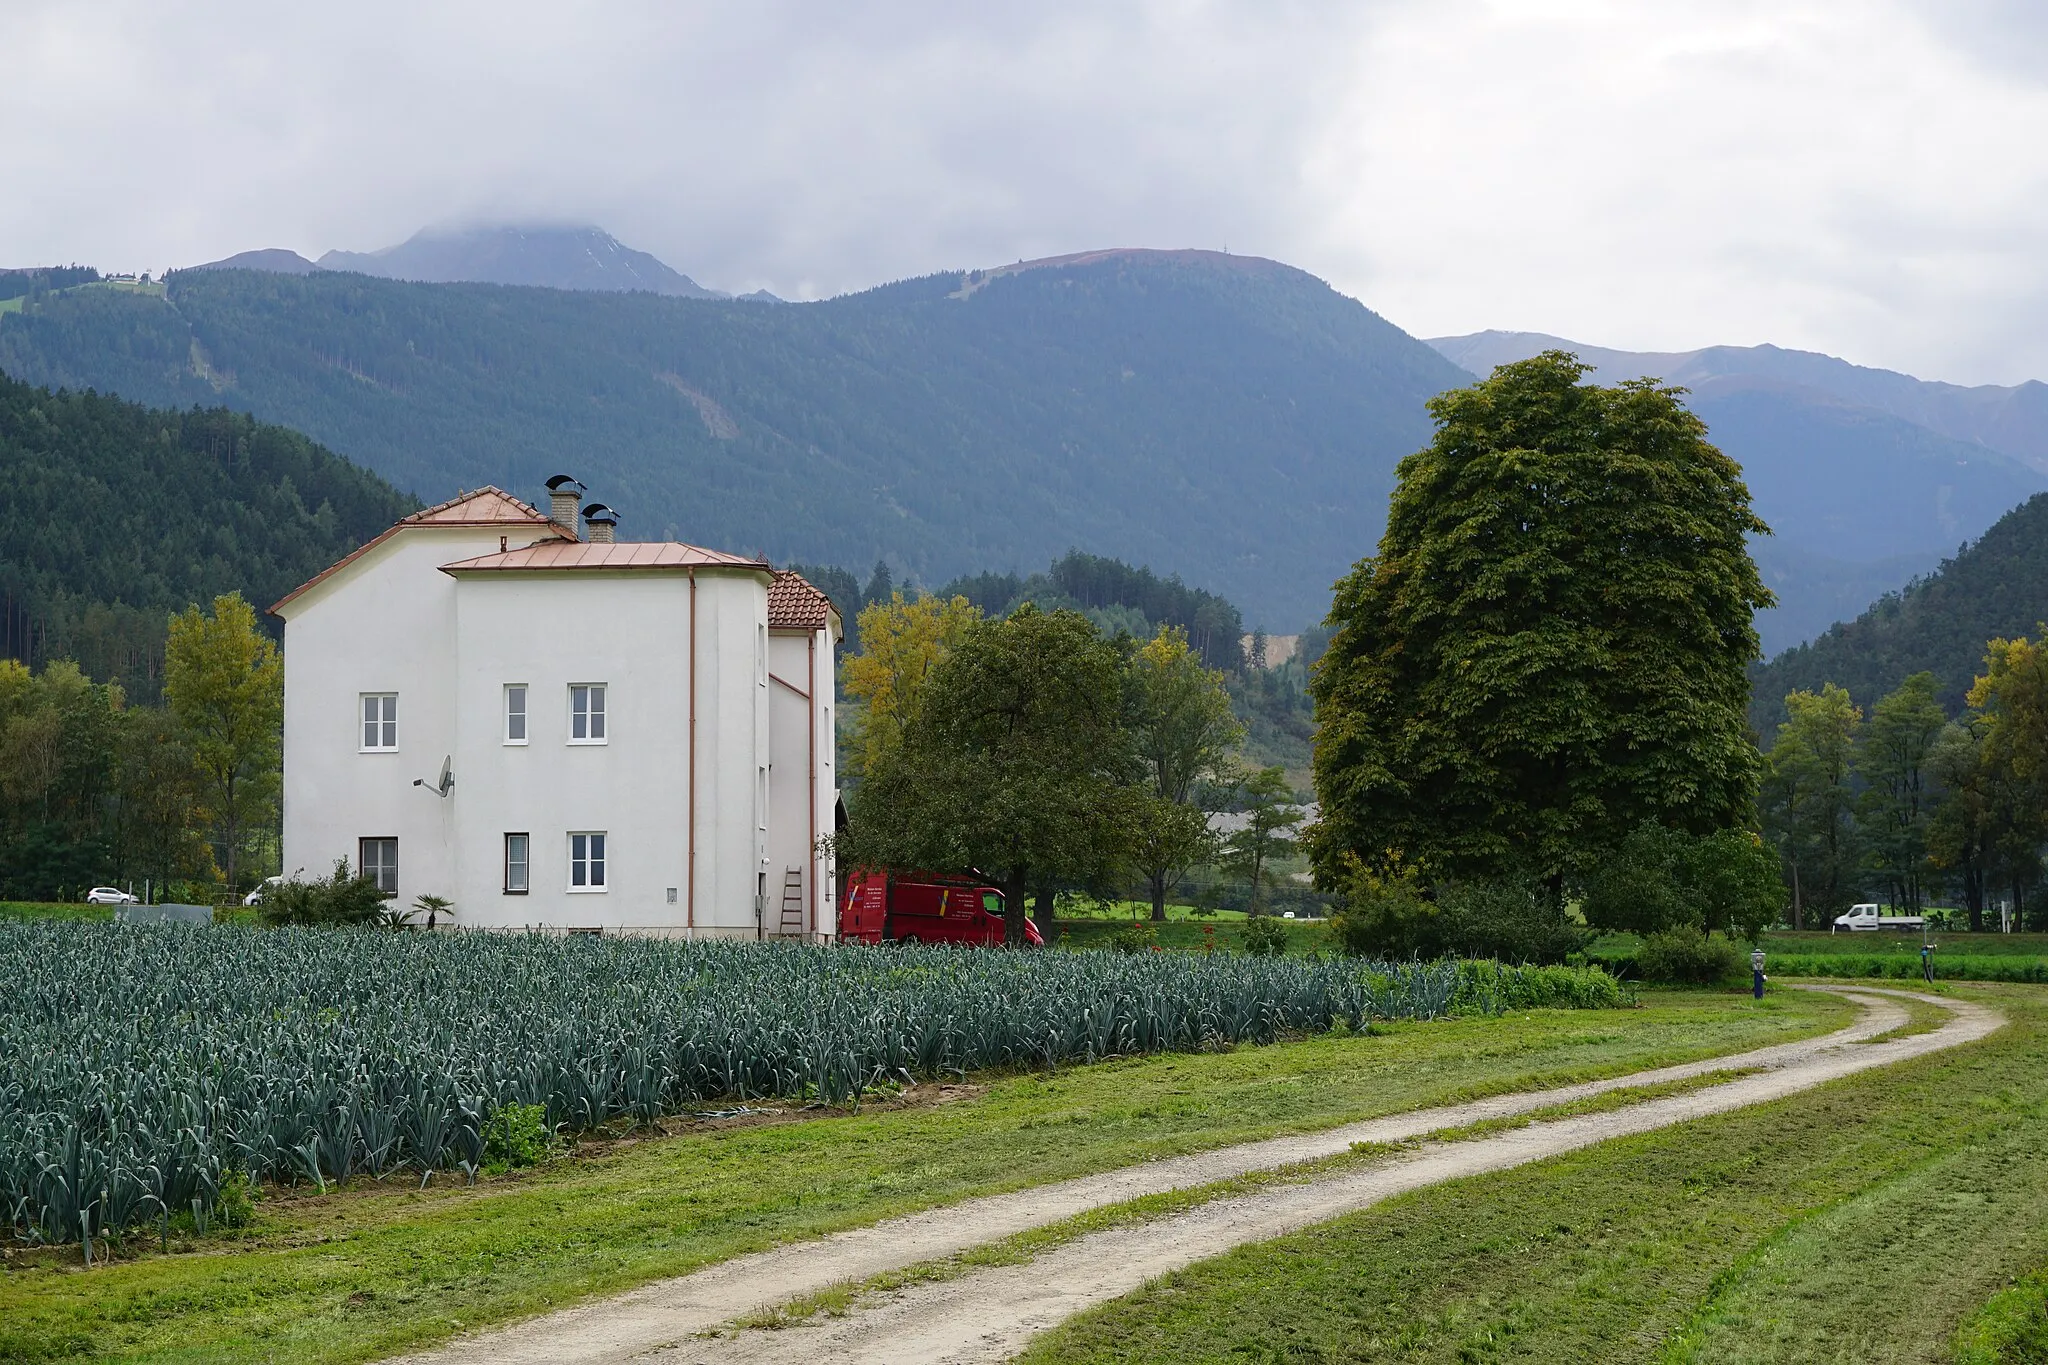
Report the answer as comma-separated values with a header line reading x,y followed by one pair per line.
x,y
537,255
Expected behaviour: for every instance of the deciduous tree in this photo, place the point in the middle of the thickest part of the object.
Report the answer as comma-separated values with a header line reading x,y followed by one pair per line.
x,y
1809,806
224,685
1015,762
1898,800
1271,815
901,642
1549,647
1183,732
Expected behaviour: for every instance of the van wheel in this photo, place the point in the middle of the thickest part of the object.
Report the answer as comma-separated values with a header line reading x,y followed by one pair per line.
x,y
909,940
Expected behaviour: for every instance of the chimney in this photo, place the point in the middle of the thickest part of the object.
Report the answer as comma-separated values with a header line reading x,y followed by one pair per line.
x,y
564,493
601,520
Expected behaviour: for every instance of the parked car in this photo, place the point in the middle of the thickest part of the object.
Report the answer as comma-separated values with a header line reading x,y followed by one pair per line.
x,y
924,907
108,895
256,897
1869,918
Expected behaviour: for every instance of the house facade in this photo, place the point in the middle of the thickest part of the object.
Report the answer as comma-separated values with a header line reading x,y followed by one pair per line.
x,y
561,733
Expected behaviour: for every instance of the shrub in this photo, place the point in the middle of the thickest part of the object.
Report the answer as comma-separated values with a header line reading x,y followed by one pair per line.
x,y
1265,936
1510,918
1662,878
342,898
1134,936
1686,956
1386,916
518,1135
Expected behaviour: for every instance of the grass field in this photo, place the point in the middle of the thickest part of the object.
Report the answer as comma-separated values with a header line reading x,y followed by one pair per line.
x,y
1875,1219
375,1268
1192,933
27,910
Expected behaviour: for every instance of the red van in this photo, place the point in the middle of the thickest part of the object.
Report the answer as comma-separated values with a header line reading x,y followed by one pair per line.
x,y
924,907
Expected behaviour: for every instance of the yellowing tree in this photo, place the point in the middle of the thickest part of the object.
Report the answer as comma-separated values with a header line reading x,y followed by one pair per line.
x,y
900,643
224,684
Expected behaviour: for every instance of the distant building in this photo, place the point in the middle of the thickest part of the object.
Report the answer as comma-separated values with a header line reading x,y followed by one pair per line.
x,y
564,734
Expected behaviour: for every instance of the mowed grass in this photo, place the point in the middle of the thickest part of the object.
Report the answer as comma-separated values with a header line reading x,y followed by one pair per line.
x,y
1869,1220
373,1270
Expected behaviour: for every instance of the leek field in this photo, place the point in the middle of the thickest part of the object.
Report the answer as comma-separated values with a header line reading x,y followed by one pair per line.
x,y
143,1068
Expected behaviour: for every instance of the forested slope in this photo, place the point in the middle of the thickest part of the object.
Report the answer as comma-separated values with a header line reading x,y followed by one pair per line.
x,y
1996,587
115,515
1227,418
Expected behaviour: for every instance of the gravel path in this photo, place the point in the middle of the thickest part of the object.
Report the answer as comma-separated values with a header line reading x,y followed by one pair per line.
x,y
990,1314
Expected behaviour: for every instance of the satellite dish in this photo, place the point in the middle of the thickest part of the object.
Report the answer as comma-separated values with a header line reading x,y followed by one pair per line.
x,y
447,778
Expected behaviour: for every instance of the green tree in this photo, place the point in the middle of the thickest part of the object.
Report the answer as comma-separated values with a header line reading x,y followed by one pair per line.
x,y
60,748
1015,762
1961,834
1898,801
1809,803
2011,698
224,684
1549,647
1184,733
1271,815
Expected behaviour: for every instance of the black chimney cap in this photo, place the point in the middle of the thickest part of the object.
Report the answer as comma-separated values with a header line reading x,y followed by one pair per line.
x,y
555,484
598,512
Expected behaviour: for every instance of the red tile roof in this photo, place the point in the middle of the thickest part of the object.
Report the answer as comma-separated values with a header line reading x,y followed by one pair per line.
x,y
623,554
487,506
794,604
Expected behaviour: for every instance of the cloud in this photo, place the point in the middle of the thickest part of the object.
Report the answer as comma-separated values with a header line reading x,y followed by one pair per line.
x,y
1861,178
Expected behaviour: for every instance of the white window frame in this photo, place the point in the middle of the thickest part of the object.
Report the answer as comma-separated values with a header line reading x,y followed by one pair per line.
x,y
593,854
386,722
362,863
524,713
595,718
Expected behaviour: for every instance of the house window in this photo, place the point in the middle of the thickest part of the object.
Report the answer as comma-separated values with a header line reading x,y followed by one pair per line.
x,y
586,713
586,862
516,853
515,713
380,720
377,859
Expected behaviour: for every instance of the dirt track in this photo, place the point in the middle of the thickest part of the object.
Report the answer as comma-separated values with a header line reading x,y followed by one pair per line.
x,y
990,1314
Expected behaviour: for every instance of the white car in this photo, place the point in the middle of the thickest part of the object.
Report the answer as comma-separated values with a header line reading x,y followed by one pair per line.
x,y
256,897
109,895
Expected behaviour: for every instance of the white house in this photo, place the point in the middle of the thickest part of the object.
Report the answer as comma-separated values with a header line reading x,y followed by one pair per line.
x,y
564,734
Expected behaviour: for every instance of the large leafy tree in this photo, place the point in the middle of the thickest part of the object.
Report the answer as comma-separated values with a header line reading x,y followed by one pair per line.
x,y
1184,733
1015,762
224,684
1549,647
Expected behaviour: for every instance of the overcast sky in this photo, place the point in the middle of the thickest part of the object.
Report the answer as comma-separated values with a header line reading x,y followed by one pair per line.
x,y
1867,178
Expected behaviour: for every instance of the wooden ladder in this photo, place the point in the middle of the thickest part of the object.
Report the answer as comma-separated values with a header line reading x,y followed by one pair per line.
x,y
792,903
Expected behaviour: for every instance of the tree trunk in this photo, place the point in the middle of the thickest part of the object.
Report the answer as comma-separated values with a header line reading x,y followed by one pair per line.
x,y
1043,909
1798,909
1158,881
1013,909
1973,897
